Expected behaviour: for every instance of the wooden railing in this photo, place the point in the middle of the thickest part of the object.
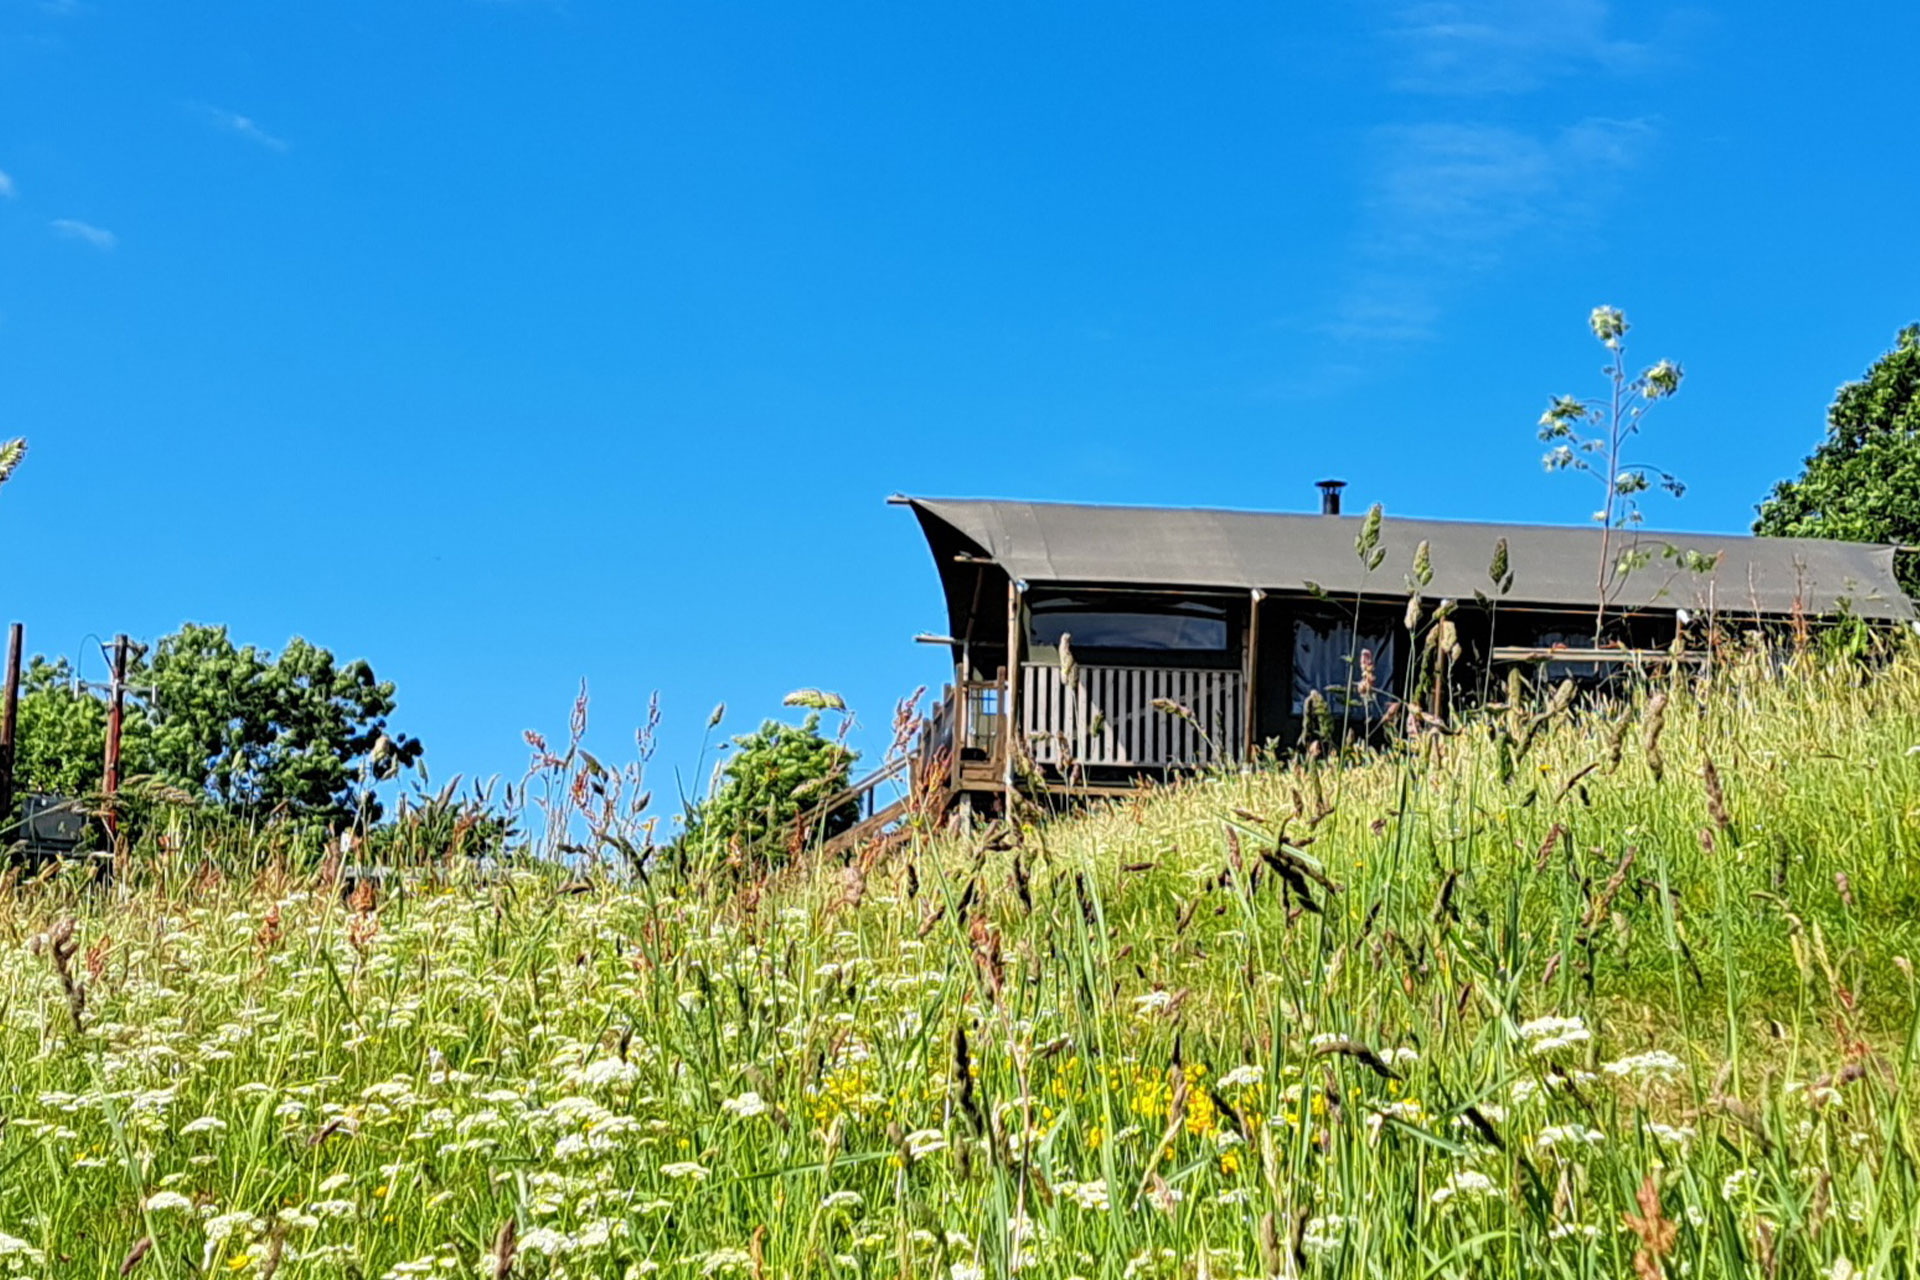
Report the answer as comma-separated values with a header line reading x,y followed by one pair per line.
x,y
920,780
864,794
965,723
1137,718
1143,717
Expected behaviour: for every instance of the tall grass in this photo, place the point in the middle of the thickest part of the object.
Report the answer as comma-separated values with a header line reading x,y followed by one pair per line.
x,y
1573,992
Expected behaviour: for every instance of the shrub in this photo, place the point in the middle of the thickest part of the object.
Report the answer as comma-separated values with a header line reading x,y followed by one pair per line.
x,y
778,773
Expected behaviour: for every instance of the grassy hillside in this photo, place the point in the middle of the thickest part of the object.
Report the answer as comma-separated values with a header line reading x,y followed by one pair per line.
x,y
1565,993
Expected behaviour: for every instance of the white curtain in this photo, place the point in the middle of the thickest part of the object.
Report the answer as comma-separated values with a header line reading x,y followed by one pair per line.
x,y
1326,658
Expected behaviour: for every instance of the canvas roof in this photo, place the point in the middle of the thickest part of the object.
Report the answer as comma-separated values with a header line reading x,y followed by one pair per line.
x,y
1063,543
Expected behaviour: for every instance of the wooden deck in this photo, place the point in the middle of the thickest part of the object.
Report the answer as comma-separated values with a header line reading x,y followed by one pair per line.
x,y
1132,725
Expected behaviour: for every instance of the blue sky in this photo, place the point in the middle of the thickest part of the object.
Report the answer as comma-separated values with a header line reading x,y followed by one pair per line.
x,y
510,344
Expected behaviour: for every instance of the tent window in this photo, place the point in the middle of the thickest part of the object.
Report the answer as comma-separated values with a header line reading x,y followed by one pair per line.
x,y
1326,658
1194,629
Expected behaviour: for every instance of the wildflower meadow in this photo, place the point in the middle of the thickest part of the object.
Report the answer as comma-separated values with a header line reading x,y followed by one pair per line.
x,y
1567,989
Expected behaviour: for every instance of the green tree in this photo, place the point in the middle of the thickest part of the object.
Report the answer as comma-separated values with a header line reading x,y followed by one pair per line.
x,y
62,732
777,773
1862,484
234,725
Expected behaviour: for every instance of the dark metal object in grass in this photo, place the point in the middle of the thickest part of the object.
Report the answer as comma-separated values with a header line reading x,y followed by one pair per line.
x,y
53,827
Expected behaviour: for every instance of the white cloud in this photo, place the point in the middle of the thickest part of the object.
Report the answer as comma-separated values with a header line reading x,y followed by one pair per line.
x,y
1465,190
1450,194
73,229
1454,188
1508,46
7,189
1384,307
1446,201
243,126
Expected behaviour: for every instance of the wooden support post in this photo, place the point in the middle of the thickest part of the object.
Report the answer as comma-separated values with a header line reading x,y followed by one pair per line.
x,y
116,714
957,710
9,720
1010,700
1250,687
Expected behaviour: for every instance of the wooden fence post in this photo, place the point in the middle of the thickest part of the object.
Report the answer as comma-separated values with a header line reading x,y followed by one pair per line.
x,y
116,715
9,721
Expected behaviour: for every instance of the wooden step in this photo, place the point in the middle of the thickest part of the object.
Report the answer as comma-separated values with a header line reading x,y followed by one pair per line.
x,y
866,828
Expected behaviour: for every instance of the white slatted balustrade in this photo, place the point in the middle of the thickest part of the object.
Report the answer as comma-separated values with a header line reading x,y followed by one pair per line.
x,y
1107,717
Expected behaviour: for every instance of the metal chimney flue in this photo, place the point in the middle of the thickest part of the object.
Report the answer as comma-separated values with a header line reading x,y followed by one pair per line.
x,y
1330,496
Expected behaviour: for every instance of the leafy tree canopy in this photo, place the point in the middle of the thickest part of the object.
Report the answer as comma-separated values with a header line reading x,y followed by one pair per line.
x,y
236,726
62,732
1863,483
776,774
